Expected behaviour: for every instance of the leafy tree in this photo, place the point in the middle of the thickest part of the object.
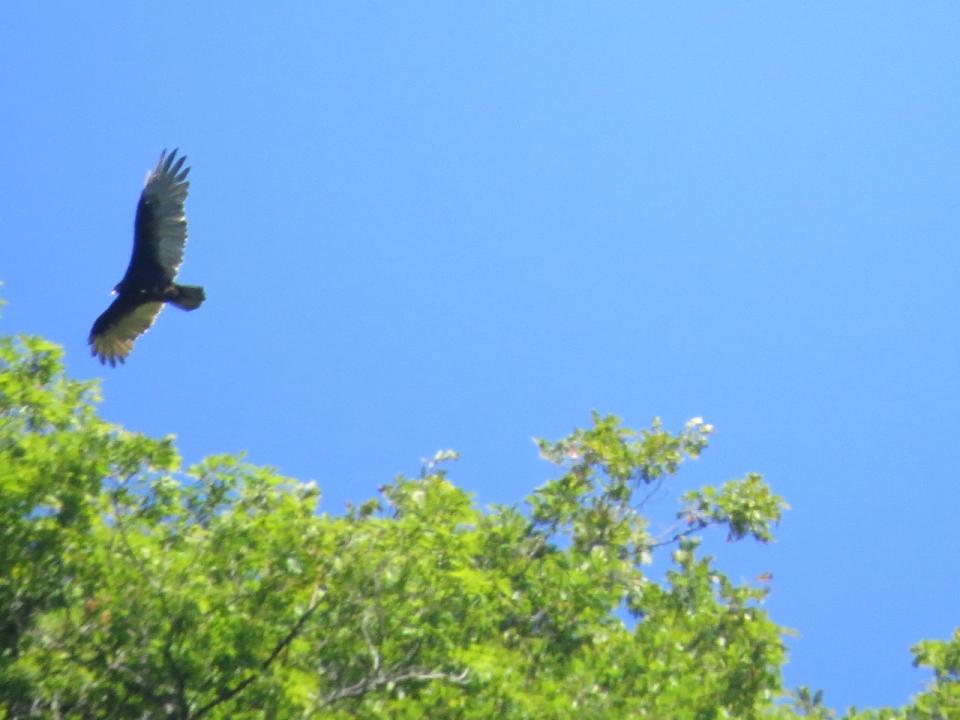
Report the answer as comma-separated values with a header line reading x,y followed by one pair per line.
x,y
131,587
942,698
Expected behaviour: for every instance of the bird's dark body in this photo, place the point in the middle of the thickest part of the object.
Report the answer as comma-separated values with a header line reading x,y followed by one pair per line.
x,y
160,234
144,273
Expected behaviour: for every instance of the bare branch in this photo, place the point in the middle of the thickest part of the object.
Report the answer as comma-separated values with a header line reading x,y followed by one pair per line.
x,y
369,684
698,525
653,491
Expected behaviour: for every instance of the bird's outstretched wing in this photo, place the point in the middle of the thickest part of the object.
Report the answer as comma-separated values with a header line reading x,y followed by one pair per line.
x,y
160,230
112,336
160,234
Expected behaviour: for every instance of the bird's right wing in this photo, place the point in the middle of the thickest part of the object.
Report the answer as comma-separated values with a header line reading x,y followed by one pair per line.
x,y
112,336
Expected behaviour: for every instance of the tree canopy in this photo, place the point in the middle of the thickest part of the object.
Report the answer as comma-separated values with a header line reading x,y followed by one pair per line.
x,y
134,587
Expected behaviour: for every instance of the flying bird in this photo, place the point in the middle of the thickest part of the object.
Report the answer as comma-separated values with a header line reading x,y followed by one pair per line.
x,y
159,236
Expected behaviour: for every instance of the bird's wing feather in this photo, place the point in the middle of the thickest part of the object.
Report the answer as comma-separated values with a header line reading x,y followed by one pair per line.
x,y
160,230
112,336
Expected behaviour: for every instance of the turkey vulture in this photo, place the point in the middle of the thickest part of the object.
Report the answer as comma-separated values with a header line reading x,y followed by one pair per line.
x,y
159,235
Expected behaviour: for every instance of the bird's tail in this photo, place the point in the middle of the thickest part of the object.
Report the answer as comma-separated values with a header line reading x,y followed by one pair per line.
x,y
187,297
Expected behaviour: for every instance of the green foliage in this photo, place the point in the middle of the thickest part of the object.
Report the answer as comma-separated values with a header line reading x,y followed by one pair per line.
x,y
131,587
942,698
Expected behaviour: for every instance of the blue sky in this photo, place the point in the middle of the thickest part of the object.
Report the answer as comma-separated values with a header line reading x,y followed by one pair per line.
x,y
432,225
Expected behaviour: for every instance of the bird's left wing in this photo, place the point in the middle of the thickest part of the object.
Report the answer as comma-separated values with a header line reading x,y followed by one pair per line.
x,y
160,230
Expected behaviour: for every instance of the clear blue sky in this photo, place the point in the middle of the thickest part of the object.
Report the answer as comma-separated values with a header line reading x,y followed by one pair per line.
x,y
431,225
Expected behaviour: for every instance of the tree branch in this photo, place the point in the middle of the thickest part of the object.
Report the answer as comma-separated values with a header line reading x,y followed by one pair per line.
x,y
229,693
698,525
369,684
